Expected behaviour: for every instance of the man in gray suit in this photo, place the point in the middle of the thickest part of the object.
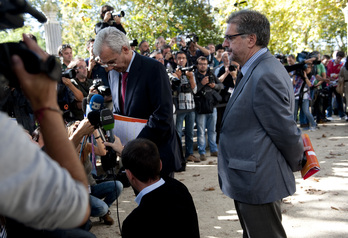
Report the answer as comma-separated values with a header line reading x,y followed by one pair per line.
x,y
260,144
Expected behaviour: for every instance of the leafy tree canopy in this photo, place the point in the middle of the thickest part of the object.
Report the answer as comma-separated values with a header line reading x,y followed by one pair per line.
x,y
296,25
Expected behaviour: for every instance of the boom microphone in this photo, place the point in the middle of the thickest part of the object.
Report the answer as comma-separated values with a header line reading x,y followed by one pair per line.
x,y
107,122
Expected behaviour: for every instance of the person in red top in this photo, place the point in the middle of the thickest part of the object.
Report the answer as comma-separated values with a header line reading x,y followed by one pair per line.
x,y
333,69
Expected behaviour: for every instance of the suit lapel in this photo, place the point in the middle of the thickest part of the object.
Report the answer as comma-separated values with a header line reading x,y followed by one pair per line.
x,y
241,85
132,81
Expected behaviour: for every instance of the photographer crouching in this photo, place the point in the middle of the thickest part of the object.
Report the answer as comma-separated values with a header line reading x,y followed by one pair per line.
x,y
206,98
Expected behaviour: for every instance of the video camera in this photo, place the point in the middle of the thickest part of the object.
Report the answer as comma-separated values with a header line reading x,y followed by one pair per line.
x,y
302,65
11,18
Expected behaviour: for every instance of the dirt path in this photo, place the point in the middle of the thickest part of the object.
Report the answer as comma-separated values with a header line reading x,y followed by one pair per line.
x,y
318,208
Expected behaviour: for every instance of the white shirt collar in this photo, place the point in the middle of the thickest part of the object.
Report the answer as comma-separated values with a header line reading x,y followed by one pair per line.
x,y
148,189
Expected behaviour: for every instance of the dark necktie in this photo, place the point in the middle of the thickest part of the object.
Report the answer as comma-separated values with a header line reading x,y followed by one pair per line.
x,y
123,90
239,77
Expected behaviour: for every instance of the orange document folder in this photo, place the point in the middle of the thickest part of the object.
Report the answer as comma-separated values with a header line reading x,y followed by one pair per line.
x,y
312,166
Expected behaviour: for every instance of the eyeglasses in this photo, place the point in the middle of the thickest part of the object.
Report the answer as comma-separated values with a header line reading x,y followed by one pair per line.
x,y
108,65
230,37
82,67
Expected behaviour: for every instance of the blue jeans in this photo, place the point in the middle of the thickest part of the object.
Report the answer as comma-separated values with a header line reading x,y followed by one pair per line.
x,y
106,190
189,118
305,109
208,121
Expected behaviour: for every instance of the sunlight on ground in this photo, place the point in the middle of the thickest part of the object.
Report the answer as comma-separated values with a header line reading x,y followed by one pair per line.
x,y
228,218
201,165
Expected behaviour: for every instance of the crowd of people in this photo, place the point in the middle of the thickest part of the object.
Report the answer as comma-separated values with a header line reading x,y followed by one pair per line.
x,y
236,91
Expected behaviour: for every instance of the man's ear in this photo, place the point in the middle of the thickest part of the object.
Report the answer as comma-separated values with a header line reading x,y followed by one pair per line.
x,y
129,174
160,165
125,50
252,40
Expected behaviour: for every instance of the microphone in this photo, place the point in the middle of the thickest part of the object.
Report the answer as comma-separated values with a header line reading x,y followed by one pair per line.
x,y
94,119
97,102
107,121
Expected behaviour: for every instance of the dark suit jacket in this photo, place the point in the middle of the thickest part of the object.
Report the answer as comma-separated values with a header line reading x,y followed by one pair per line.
x,y
260,144
167,211
148,96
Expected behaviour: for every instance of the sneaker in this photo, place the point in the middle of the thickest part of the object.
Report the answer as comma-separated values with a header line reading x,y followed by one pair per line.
x,y
215,154
329,118
107,219
202,157
313,128
193,158
344,118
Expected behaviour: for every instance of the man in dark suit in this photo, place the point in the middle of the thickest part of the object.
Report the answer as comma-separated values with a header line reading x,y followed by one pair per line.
x,y
260,144
140,88
166,208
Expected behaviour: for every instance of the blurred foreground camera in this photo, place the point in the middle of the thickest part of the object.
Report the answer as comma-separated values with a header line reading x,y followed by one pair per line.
x,y
32,62
69,73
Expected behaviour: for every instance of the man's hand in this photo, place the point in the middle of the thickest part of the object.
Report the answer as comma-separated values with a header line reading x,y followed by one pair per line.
x,y
66,81
116,146
117,20
189,74
205,80
107,16
91,64
178,73
84,127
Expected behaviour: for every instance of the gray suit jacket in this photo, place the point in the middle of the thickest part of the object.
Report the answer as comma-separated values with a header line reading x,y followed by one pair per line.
x,y
260,144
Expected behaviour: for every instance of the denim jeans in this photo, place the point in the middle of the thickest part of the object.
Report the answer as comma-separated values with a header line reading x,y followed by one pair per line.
x,y
189,118
206,121
305,108
106,190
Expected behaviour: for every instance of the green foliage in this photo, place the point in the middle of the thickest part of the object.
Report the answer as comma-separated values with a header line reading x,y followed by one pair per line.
x,y
300,25
295,25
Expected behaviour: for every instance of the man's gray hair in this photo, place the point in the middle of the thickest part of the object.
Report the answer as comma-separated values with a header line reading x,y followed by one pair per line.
x,y
252,22
112,38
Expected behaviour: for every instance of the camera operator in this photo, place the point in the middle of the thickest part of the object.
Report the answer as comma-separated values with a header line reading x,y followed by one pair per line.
x,y
35,190
169,61
110,19
186,104
190,46
94,68
206,98
80,86
227,75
